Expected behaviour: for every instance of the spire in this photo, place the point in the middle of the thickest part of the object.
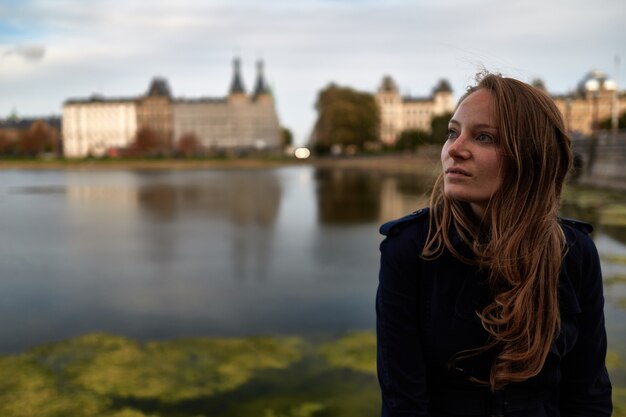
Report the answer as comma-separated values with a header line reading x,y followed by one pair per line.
x,y
261,86
237,85
159,87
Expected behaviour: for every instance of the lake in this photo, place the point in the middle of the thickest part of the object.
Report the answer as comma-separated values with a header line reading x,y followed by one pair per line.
x,y
168,254
160,255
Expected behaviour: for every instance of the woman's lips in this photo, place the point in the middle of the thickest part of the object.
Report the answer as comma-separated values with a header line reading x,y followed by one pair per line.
x,y
457,172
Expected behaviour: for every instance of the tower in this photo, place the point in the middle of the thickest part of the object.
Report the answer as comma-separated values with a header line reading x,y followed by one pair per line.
x,y
261,89
237,90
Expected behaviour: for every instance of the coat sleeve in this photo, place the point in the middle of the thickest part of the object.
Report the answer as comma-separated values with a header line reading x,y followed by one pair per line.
x,y
585,388
401,370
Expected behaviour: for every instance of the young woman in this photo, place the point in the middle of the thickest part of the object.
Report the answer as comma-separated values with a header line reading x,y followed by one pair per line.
x,y
488,303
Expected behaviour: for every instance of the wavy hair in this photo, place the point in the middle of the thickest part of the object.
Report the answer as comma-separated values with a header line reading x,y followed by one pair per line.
x,y
519,240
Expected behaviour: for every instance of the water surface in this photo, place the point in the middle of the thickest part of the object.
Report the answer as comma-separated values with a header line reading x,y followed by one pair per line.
x,y
153,255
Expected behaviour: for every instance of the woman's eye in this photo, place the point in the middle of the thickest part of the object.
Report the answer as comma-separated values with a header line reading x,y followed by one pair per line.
x,y
452,134
484,138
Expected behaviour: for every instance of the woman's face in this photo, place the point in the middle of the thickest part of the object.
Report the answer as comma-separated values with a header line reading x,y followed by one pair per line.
x,y
472,165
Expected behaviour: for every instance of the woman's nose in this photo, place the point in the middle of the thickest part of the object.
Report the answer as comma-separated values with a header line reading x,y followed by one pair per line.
x,y
458,149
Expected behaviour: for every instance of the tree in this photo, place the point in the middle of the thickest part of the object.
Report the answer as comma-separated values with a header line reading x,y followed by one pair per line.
x,y
147,143
39,138
411,139
189,145
286,137
345,117
439,128
7,144
607,123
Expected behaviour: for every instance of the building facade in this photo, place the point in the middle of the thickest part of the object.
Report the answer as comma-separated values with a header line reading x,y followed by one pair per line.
x,y
96,126
398,113
155,112
596,99
233,122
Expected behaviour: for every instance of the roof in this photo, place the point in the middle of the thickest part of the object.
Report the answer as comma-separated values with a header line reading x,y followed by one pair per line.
x,y
442,87
388,85
26,122
159,87
201,100
408,99
97,98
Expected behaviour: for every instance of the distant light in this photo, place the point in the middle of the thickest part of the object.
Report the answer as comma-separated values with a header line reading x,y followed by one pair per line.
x,y
302,153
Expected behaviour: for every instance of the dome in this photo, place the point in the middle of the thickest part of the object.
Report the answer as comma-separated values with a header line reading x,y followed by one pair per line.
x,y
596,80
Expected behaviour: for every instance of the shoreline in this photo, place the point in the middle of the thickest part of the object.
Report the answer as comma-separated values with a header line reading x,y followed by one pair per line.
x,y
419,164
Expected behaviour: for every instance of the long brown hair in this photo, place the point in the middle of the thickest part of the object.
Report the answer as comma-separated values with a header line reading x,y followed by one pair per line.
x,y
518,241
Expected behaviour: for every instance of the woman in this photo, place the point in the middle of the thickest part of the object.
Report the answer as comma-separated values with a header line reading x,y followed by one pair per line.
x,y
488,303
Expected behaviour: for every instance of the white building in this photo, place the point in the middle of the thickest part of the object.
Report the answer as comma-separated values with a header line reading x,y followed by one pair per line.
x,y
96,125
93,125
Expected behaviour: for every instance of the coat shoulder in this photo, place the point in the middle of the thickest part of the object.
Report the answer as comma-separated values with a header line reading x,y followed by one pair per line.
x,y
579,225
395,227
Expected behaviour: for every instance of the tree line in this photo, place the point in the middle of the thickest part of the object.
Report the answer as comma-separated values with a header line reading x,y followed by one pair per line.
x,y
150,143
36,139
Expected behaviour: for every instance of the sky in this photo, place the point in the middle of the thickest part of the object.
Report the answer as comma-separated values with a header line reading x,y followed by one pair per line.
x,y
52,50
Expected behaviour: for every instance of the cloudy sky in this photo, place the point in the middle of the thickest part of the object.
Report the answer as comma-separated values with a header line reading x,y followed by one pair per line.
x,y
51,50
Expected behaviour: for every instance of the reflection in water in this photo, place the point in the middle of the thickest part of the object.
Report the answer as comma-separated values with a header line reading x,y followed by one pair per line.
x,y
244,198
345,196
402,194
357,196
248,202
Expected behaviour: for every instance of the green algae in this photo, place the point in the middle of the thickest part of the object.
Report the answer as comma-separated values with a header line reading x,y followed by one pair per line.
x,y
356,351
101,375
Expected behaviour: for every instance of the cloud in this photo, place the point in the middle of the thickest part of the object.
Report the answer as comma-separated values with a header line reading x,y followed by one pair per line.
x,y
31,53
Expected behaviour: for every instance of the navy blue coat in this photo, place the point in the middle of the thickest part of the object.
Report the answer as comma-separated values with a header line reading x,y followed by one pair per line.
x,y
426,312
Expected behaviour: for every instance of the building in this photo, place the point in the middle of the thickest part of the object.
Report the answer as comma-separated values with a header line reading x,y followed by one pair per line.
x,y
596,99
399,113
98,125
30,135
155,112
95,125
233,122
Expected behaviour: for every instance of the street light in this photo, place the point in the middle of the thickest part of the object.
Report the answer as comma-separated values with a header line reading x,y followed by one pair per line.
x,y
593,86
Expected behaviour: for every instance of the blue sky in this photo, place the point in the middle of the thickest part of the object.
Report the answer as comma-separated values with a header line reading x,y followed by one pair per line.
x,y
51,50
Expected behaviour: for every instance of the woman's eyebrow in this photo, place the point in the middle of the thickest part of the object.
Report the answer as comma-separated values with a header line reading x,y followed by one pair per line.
x,y
476,126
